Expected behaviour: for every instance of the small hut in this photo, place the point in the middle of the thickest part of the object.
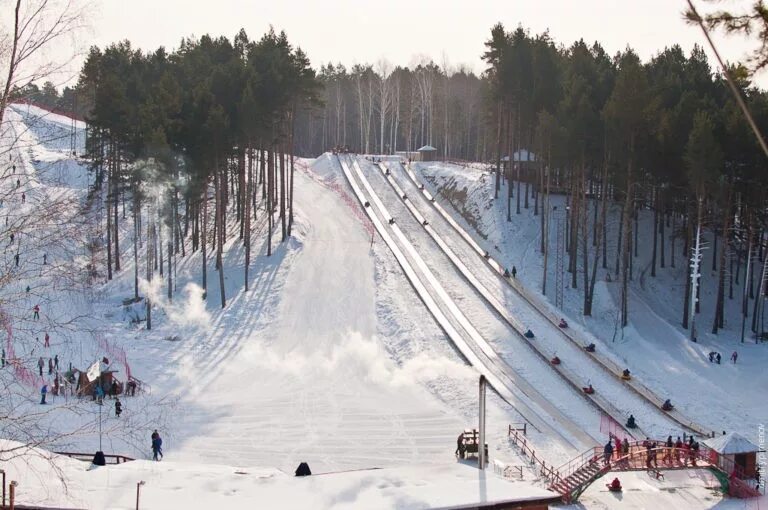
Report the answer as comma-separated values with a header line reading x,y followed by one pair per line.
x,y
524,158
427,153
105,379
735,449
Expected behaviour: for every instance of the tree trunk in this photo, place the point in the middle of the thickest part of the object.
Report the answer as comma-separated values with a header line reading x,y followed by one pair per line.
x,y
115,224
219,191
136,234
627,247
247,214
109,222
204,242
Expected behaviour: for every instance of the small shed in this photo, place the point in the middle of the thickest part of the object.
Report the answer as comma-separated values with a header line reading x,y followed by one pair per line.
x,y
105,379
427,153
524,157
735,449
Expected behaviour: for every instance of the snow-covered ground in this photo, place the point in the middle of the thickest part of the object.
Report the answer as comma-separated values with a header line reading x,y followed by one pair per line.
x,y
62,482
330,358
654,346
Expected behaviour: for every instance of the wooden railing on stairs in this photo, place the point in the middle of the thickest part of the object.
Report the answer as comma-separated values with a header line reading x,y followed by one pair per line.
x,y
572,478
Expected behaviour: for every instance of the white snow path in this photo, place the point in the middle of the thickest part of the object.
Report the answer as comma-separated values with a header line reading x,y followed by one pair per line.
x,y
325,392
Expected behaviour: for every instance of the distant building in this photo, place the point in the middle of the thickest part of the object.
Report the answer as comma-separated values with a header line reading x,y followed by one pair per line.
x,y
523,156
427,153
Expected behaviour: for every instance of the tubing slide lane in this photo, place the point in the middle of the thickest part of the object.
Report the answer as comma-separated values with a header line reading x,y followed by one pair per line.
x,y
597,400
486,363
604,362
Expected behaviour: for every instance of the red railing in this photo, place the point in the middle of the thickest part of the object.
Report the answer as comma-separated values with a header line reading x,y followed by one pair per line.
x,y
521,442
659,458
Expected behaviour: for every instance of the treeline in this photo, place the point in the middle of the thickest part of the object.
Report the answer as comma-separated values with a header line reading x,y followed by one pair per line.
x,y
383,109
199,142
665,135
48,97
609,131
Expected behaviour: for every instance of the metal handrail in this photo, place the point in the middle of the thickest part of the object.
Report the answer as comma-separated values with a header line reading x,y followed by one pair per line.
x,y
87,457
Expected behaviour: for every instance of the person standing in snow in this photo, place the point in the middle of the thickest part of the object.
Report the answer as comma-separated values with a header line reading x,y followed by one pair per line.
x,y
734,357
45,259
23,198
40,365
718,358
157,446
118,408
50,366
47,340
2,360
18,183
16,259
56,362
514,272
36,309
43,393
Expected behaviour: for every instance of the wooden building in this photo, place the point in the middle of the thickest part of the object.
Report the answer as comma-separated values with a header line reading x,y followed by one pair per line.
x,y
733,448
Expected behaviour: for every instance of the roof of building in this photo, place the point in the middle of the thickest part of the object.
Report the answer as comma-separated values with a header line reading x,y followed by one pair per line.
x,y
731,443
427,148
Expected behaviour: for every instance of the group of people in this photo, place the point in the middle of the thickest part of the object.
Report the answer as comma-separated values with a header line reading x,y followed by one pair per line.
x,y
673,451
715,357
53,364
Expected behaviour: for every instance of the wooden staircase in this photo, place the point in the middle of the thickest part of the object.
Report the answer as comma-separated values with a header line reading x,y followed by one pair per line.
x,y
572,478
574,484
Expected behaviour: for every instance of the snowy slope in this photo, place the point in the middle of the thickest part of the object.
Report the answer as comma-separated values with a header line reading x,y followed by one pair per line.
x,y
328,359
331,357
654,347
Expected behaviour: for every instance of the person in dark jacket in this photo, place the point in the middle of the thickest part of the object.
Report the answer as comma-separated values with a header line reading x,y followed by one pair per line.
x,y
118,407
607,452
43,393
157,446
514,272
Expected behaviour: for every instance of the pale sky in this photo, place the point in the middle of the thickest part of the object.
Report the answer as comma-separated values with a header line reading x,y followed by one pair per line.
x,y
350,31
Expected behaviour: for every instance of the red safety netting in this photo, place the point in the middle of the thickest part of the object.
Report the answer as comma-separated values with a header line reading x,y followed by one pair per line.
x,y
23,374
116,354
350,202
613,428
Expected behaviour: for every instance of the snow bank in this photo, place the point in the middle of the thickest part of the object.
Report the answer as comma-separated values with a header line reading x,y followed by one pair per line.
x,y
52,480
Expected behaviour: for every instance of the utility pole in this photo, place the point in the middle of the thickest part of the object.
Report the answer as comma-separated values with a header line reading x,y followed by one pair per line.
x,y
481,437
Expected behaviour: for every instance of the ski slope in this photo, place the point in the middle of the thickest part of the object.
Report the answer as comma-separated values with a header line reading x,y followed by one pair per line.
x,y
329,358
654,346
504,379
528,302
